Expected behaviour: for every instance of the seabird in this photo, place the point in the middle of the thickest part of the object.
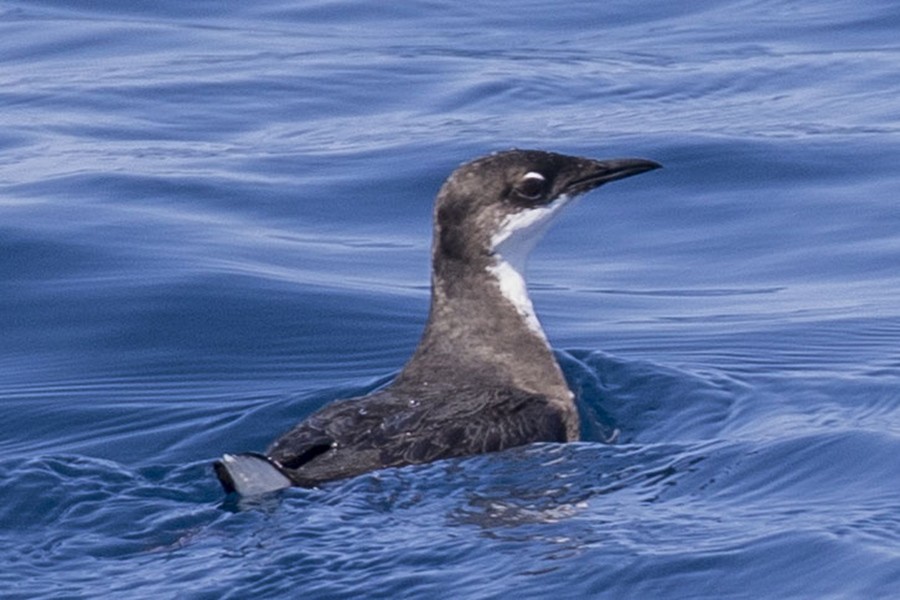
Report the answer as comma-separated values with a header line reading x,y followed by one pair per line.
x,y
483,377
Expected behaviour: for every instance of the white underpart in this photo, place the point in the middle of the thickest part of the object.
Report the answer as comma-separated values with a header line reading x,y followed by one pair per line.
x,y
513,242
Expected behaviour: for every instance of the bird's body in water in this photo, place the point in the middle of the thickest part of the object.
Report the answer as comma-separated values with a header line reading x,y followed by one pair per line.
x,y
483,377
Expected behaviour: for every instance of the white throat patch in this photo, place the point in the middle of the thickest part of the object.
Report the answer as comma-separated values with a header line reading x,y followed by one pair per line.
x,y
511,245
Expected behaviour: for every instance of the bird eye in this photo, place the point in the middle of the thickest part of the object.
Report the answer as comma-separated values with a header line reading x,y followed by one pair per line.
x,y
531,186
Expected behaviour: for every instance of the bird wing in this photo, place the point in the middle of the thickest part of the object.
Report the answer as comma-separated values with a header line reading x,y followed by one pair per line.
x,y
486,422
394,429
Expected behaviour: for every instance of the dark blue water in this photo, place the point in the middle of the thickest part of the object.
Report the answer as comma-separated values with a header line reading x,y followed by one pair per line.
x,y
215,218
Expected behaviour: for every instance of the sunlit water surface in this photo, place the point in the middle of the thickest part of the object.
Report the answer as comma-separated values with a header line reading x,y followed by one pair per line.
x,y
215,219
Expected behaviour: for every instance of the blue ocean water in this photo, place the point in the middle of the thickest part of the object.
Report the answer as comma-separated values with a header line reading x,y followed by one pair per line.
x,y
215,219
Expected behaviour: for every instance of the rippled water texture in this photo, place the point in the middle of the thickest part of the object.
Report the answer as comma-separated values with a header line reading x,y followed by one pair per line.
x,y
215,219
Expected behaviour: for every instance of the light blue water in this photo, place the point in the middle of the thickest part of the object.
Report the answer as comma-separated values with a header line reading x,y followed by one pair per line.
x,y
215,218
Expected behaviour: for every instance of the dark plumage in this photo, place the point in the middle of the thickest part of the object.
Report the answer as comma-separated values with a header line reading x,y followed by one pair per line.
x,y
483,377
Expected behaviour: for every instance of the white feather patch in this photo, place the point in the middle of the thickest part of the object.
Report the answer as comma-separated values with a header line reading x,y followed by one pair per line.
x,y
513,242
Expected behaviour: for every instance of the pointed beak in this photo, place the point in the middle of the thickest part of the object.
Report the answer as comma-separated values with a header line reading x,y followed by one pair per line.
x,y
594,173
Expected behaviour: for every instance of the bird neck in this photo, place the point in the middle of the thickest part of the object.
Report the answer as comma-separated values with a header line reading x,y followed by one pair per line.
x,y
482,328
